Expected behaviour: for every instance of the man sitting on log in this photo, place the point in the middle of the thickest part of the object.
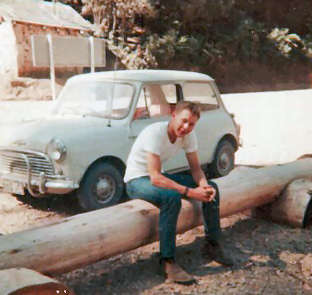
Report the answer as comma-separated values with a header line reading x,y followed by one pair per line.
x,y
145,180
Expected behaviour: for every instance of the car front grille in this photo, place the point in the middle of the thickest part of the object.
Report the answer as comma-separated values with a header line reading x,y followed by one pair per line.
x,y
20,161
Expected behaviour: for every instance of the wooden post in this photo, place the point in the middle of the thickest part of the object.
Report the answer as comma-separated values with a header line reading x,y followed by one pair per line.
x,y
89,237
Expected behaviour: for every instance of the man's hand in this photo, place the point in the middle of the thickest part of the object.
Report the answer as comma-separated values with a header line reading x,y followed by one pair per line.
x,y
202,193
210,191
207,192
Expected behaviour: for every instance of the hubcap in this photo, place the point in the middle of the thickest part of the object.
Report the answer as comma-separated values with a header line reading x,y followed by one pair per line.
x,y
105,188
225,161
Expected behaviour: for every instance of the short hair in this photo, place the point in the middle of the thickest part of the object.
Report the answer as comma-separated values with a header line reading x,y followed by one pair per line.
x,y
194,108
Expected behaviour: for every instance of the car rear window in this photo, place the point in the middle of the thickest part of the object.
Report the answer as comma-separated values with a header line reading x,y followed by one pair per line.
x,y
201,93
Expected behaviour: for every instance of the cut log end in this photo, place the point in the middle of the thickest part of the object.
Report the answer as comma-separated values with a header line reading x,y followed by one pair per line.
x,y
43,289
22,281
292,207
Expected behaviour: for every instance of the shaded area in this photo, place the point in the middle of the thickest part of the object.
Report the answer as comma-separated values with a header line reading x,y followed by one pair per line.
x,y
19,213
66,204
269,259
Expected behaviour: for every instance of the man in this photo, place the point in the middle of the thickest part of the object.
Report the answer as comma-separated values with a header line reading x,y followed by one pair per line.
x,y
145,180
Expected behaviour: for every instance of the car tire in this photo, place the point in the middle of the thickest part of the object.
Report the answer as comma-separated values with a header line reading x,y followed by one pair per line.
x,y
101,187
224,159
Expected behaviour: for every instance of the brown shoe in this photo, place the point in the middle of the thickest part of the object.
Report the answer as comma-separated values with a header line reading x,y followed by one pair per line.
x,y
175,273
215,250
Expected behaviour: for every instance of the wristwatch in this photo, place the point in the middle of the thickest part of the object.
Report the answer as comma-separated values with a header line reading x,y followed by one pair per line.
x,y
185,192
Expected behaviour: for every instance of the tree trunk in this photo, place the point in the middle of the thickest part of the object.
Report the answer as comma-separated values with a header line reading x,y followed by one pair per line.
x,y
89,237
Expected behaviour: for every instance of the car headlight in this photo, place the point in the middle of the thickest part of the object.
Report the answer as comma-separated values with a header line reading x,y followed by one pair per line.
x,y
56,149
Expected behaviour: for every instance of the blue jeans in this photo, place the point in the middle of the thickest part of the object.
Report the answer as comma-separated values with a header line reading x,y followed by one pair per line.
x,y
169,203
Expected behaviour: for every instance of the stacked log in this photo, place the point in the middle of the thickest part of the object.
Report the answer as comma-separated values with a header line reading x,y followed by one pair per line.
x,y
89,237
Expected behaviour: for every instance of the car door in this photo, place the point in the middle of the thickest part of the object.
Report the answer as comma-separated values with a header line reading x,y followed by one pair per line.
x,y
209,127
155,103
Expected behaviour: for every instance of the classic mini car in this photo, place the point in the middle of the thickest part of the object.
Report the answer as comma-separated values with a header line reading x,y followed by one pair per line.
x,y
83,144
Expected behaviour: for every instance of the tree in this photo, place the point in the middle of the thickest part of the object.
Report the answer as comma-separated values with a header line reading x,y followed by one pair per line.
x,y
205,35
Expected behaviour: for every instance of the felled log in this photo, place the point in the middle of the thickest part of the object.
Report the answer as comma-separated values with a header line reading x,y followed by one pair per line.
x,y
22,281
89,237
293,205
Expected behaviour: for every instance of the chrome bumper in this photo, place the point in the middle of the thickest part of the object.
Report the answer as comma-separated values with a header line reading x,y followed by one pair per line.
x,y
25,169
13,184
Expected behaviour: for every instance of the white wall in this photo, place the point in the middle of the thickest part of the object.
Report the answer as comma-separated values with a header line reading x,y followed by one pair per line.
x,y
8,51
276,127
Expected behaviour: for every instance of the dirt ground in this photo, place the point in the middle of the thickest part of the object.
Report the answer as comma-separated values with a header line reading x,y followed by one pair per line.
x,y
270,258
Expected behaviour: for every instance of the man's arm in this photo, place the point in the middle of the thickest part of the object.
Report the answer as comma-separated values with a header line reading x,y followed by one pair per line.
x,y
158,179
198,173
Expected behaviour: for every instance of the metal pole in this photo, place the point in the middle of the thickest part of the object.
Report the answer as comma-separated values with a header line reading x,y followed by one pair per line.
x,y
92,62
52,70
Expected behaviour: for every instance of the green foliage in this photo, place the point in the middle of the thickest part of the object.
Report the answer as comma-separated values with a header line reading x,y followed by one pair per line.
x,y
211,46
290,45
205,33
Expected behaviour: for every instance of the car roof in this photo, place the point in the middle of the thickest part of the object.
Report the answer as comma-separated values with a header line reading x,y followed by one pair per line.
x,y
144,76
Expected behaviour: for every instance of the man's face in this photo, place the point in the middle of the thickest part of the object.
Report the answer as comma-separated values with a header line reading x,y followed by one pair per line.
x,y
183,122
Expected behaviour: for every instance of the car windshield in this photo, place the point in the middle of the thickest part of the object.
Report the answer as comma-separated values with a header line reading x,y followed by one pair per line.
x,y
95,98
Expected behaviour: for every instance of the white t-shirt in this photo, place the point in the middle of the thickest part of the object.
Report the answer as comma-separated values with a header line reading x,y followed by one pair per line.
x,y
154,139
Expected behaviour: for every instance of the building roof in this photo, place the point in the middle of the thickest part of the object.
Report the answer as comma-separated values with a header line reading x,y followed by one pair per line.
x,y
144,76
42,12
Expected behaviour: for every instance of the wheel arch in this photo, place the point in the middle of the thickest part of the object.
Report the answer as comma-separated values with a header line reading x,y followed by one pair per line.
x,y
211,167
117,162
229,137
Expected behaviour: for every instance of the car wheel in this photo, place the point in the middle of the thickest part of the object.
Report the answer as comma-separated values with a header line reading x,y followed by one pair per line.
x,y
224,159
101,187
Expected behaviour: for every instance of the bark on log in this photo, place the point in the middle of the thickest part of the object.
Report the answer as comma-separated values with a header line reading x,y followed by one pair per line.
x,y
89,237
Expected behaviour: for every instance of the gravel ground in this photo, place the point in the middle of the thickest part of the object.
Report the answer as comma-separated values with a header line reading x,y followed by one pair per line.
x,y
270,258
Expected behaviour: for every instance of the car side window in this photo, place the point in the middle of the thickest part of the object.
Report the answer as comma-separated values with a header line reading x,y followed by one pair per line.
x,y
122,96
156,100
201,93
